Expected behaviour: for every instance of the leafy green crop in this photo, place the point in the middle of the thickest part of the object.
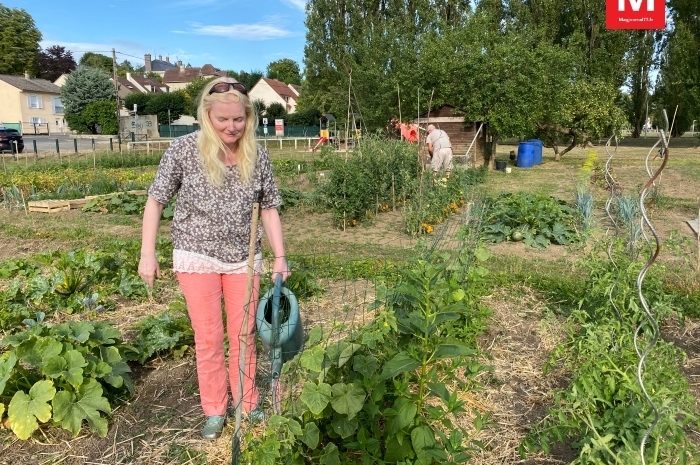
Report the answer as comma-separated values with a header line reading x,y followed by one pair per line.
x,y
68,373
388,392
540,219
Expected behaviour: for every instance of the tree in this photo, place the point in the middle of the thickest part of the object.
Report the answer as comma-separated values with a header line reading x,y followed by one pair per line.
x,y
247,78
84,86
99,117
125,67
678,84
308,117
19,41
159,104
141,101
97,61
276,110
259,105
285,70
55,61
191,94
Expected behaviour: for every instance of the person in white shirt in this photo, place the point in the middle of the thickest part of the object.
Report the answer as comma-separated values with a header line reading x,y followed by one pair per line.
x,y
440,150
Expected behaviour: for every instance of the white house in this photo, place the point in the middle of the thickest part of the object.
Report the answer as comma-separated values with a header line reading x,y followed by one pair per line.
x,y
274,91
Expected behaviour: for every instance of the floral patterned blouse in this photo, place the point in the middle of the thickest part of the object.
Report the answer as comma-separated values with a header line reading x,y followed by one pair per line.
x,y
208,220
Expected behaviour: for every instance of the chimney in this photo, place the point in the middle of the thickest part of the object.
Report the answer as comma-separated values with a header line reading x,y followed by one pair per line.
x,y
27,76
179,63
167,59
160,57
182,68
147,63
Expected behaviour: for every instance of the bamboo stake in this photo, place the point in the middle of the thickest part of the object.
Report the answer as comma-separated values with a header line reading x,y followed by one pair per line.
x,y
398,91
243,335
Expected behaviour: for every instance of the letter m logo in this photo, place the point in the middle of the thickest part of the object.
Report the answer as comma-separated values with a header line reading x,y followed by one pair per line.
x,y
635,14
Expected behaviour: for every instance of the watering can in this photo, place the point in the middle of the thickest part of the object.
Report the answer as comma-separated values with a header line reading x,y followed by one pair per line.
x,y
278,324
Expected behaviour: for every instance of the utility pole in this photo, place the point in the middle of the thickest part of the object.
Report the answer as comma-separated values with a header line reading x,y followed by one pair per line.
x,y
116,96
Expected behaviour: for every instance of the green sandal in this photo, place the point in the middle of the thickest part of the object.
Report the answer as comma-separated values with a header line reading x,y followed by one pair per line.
x,y
213,426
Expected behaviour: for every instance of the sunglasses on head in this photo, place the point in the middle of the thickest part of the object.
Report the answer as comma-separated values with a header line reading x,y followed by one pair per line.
x,y
221,87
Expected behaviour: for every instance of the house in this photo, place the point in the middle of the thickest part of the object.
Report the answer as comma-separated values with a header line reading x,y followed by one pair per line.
x,y
158,66
181,76
33,104
274,91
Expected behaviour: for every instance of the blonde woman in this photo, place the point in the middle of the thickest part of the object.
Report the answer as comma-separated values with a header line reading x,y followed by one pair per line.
x,y
217,174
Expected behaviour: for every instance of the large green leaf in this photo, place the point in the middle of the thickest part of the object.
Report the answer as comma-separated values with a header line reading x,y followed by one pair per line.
x,y
316,396
347,353
70,409
366,365
117,376
422,437
344,427
405,412
8,360
77,331
25,409
69,366
401,363
311,435
453,350
347,399
312,359
330,455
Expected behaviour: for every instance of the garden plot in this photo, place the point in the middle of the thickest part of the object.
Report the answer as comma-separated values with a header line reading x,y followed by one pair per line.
x,y
508,394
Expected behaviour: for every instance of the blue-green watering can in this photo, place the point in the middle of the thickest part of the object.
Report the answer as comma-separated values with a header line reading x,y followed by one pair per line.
x,y
279,325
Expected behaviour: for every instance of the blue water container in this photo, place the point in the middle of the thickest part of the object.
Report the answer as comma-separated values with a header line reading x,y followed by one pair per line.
x,y
538,149
526,155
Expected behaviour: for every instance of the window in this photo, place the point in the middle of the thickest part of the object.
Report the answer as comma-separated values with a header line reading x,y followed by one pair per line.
x,y
58,106
35,101
36,120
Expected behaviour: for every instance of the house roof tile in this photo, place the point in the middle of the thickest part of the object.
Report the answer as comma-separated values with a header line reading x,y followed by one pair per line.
x,y
280,87
190,74
31,85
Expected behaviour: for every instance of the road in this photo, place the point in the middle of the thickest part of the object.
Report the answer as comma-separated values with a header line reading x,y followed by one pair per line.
x,y
66,144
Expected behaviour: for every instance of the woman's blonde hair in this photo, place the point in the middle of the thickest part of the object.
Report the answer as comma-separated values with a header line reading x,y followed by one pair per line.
x,y
211,146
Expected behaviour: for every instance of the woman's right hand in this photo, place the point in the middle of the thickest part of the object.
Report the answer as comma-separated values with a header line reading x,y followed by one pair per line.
x,y
148,269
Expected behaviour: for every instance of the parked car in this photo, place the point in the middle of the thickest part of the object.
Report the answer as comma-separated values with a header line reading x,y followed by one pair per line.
x,y
7,140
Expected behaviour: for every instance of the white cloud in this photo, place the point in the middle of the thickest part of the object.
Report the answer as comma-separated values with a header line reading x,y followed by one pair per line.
x,y
254,31
298,4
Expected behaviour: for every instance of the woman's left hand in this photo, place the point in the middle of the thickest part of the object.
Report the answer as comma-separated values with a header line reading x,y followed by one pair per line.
x,y
280,267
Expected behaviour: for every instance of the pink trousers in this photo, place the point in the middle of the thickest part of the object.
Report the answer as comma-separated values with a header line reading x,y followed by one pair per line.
x,y
203,292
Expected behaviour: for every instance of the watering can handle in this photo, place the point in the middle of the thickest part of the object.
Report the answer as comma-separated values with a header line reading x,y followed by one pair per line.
x,y
276,297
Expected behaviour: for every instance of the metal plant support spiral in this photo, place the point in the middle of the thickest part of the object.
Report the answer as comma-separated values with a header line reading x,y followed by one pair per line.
x,y
650,320
614,193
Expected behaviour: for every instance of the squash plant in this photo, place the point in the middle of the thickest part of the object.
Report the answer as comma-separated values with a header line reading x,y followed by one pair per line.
x,y
538,219
388,392
65,374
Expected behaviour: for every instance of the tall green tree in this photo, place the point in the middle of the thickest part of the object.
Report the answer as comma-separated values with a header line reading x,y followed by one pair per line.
x,y
247,78
19,41
84,86
54,62
285,70
99,117
678,84
167,106
378,44
98,61
191,94
138,99
640,63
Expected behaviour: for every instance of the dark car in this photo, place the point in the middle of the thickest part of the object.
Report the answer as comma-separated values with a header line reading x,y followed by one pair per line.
x,y
8,137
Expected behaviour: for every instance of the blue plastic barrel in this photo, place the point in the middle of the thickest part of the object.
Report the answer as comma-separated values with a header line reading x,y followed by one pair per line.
x,y
526,155
538,149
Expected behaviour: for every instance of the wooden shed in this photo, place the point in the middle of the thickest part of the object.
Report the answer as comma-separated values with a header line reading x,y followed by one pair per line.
x,y
464,135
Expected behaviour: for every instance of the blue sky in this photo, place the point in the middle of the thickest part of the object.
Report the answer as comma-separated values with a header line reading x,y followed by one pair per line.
x,y
229,34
